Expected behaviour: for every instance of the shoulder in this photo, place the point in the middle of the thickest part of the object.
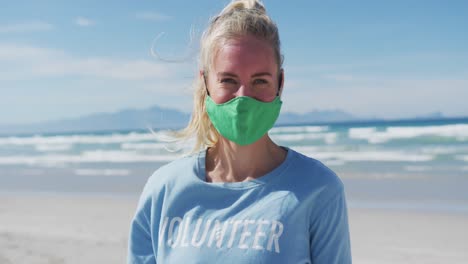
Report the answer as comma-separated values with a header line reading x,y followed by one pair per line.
x,y
174,168
314,177
314,171
169,174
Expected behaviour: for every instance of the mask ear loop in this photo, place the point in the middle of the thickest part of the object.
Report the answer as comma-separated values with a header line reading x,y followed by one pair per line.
x,y
280,80
206,86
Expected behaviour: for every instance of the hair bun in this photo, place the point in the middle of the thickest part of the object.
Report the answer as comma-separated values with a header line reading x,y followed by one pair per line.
x,y
244,4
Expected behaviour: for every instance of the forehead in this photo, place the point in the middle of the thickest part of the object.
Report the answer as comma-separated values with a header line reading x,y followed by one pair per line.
x,y
244,54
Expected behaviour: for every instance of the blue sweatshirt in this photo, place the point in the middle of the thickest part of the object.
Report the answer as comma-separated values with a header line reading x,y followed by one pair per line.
x,y
294,214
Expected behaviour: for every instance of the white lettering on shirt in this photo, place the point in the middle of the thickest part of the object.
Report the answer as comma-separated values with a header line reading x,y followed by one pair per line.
x,y
244,234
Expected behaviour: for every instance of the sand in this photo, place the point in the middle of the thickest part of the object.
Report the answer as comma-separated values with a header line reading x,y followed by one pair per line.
x,y
391,236
64,229
58,228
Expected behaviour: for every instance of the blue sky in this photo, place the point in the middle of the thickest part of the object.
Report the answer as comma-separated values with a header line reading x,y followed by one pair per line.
x,y
392,59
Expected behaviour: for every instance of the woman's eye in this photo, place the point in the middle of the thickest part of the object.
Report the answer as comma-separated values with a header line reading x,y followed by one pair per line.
x,y
228,80
260,81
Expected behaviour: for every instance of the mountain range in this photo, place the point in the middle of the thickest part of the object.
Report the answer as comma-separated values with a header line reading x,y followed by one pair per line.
x,y
160,118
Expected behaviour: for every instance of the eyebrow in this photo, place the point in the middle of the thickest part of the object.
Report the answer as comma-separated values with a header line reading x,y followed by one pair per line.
x,y
253,76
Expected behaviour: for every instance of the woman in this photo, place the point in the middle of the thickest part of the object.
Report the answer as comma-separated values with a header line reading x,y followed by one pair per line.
x,y
242,198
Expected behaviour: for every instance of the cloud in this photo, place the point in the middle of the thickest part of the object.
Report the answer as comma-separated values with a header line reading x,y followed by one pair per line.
x,y
84,22
31,26
389,96
14,52
152,16
19,62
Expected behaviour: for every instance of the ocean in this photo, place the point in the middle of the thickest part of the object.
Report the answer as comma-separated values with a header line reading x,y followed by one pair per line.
x,y
415,165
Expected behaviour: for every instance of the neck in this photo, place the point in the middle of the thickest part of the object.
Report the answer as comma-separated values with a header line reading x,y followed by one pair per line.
x,y
229,162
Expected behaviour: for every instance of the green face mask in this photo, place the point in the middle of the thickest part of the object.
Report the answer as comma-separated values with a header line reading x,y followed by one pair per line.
x,y
243,120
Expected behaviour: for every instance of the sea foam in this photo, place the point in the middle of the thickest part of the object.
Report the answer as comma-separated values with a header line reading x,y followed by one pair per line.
x,y
78,139
95,156
371,156
298,129
372,135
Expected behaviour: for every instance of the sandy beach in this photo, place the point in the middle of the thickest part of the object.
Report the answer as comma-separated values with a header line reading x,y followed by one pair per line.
x,y
63,228
55,229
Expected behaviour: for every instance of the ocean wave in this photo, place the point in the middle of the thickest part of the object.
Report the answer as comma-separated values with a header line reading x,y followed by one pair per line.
x,y
101,172
418,168
143,146
308,149
389,156
53,147
458,132
299,129
329,138
334,162
444,149
79,139
96,156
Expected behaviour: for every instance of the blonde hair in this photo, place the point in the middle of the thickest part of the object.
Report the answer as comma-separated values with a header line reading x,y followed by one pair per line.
x,y
239,18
